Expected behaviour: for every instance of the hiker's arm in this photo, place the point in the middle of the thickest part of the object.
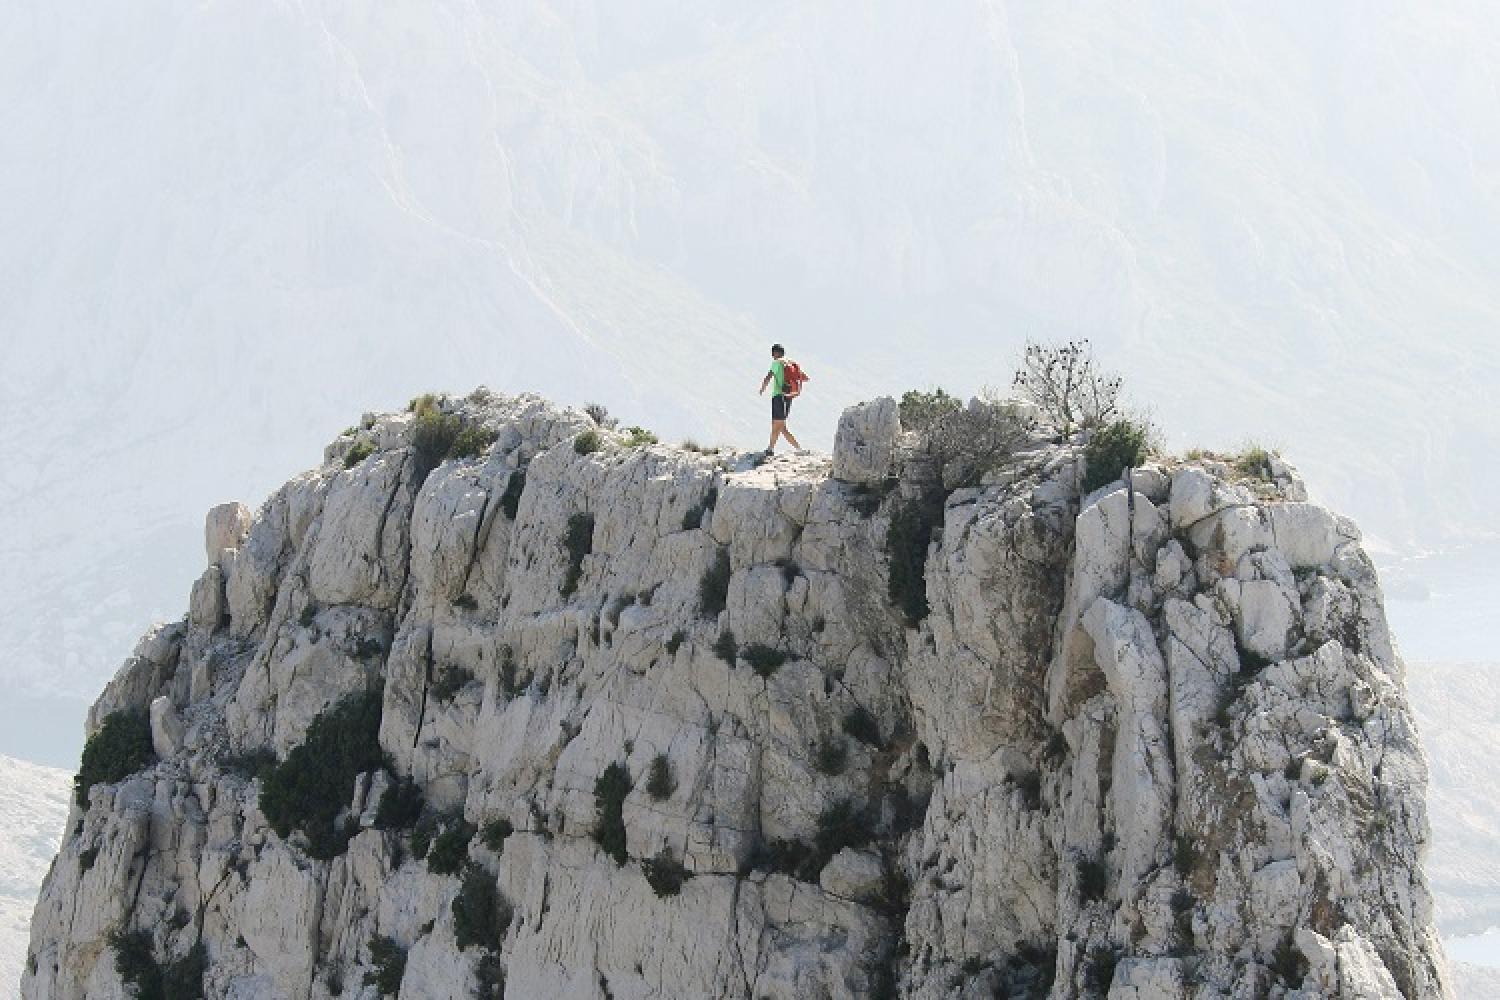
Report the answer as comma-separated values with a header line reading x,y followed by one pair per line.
x,y
765,382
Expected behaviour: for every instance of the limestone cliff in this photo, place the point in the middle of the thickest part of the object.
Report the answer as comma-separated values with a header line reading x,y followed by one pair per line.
x,y
650,724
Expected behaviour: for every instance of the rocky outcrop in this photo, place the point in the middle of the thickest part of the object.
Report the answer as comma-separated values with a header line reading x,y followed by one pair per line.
x,y
1149,742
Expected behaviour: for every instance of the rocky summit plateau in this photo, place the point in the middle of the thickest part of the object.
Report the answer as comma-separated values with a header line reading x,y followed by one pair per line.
x,y
497,701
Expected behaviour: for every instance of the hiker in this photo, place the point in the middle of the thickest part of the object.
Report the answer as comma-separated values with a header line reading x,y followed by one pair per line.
x,y
788,379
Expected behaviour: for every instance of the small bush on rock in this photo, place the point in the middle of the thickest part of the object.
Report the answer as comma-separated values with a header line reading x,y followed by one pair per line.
x,y
694,517
180,979
638,437
250,764
389,961
906,544
450,681
660,783
510,500
400,806
357,453
713,588
764,660
1063,381
610,789
860,724
480,913
1100,972
587,442
1093,880
726,648
450,849
665,874
831,756
577,542
1254,462
312,785
675,643
1114,448
495,833
842,824
788,857
920,410
116,750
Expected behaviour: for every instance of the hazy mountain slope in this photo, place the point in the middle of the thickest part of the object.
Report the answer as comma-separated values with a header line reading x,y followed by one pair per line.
x,y
33,808
1458,710
221,226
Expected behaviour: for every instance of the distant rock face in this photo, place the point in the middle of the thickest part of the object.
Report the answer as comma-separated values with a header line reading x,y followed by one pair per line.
x,y
1149,743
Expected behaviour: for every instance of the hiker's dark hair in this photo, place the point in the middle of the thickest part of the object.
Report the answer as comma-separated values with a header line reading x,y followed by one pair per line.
x,y
777,350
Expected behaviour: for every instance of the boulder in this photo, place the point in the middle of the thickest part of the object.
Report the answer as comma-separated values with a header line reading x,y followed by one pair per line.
x,y
864,448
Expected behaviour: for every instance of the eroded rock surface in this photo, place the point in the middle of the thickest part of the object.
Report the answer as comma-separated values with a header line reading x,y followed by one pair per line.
x,y
1153,742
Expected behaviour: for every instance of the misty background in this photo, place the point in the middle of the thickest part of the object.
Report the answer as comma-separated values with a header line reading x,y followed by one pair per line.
x,y
227,230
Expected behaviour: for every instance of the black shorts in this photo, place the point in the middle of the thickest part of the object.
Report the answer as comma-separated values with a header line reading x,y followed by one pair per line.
x,y
780,407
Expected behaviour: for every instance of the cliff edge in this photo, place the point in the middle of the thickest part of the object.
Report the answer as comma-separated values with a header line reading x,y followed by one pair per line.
x,y
496,702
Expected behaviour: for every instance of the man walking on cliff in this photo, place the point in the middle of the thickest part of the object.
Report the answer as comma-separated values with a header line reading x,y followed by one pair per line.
x,y
788,379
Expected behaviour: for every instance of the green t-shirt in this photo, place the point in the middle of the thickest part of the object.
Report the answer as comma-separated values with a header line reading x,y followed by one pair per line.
x,y
778,377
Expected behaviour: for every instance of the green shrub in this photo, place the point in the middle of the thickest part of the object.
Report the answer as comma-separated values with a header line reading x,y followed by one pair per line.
x,y
694,517
421,837
713,588
636,437
587,442
907,541
831,756
450,681
180,979
312,785
466,602
726,648
450,849
473,439
250,764
135,963
495,833
610,790
919,410
489,978
860,724
423,405
510,500
665,874
480,913
577,542
967,443
841,825
1288,963
764,660
432,436
86,859
1114,448
788,857
120,747
358,452
1093,880
660,783
1253,462
1100,972
400,806
183,977
866,498
389,961
675,643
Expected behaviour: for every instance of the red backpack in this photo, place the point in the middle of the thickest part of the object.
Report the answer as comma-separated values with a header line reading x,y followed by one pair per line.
x,y
792,377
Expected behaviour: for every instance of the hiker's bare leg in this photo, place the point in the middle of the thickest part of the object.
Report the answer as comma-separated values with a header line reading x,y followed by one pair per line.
x,y
778,428
788,435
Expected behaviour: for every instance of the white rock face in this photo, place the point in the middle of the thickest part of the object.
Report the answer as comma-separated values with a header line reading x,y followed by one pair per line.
x,y
647,723
864,450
